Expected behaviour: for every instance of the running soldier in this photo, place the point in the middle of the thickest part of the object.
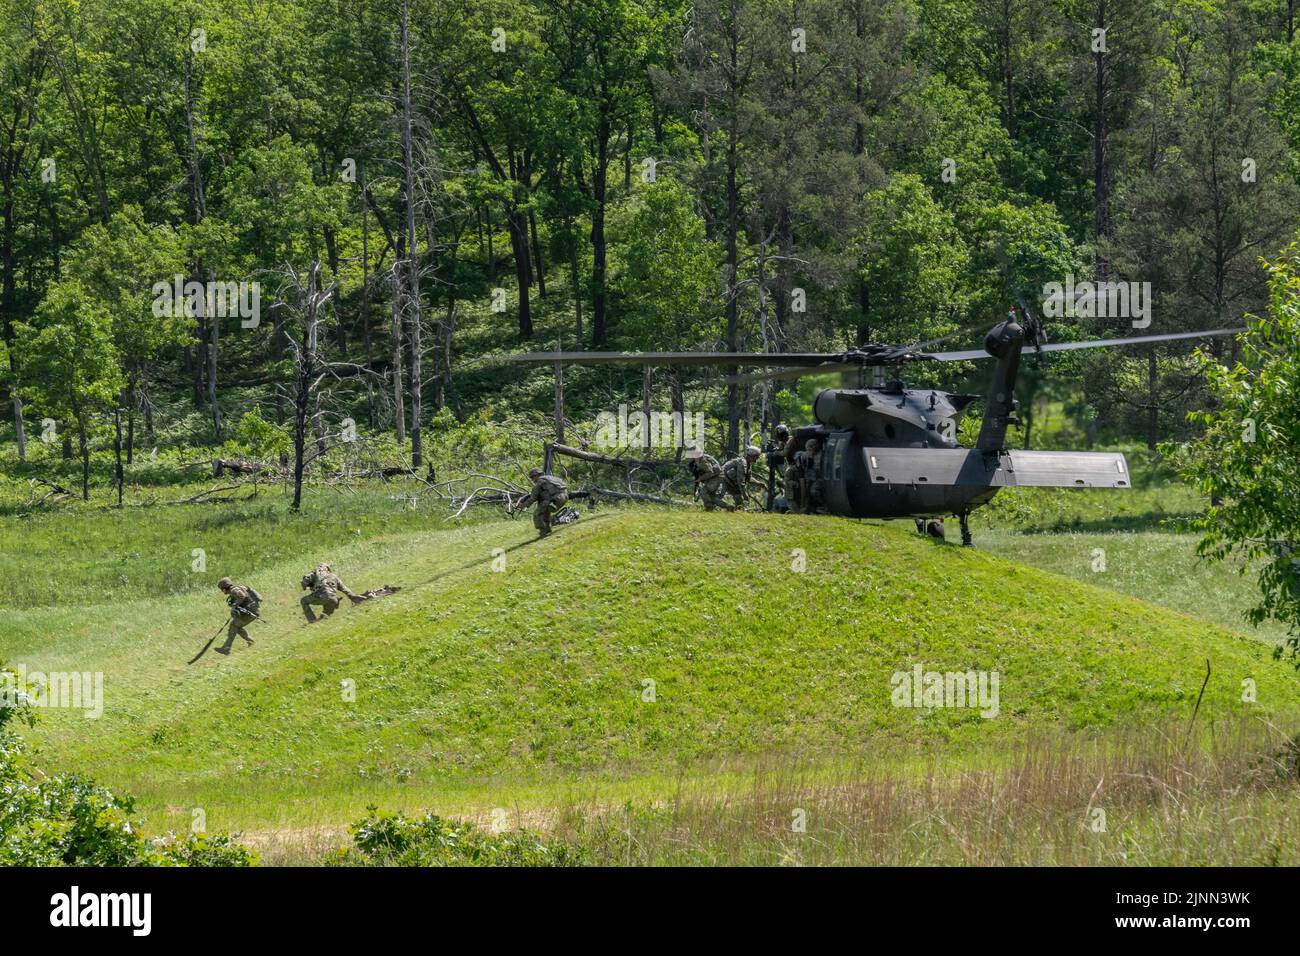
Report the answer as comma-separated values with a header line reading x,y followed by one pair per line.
x,y
245,606
550,494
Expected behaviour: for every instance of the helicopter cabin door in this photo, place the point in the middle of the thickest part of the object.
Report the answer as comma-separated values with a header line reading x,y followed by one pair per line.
x,y
839,470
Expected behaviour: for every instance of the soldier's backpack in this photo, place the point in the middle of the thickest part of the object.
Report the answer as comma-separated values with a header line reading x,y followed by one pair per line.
x,y
551,486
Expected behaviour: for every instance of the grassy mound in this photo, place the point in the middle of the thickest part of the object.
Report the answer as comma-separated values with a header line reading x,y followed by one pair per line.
x,y
632,642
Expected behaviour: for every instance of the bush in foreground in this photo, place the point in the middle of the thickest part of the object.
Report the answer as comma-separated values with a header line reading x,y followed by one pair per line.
x,y
71,821
384,839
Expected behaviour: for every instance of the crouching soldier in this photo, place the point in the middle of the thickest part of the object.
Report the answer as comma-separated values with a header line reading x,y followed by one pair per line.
x,y
245,607
550,494
325,586
738,473
708,479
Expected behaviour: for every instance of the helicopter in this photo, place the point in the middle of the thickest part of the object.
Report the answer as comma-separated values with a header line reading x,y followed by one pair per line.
x,y
889,451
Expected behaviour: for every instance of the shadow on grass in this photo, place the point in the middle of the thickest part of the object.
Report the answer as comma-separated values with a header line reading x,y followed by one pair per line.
x,y
1143,521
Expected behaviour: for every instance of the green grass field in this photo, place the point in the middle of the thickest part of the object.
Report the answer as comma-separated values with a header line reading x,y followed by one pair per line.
x,y
602,667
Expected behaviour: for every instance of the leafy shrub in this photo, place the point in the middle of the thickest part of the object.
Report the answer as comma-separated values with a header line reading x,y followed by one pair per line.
x,y
71,821
384,839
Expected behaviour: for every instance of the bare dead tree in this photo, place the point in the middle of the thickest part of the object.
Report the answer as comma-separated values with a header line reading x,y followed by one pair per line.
x,y
310,300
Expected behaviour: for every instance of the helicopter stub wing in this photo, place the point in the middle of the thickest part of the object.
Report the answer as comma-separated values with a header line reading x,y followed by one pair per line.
x,y
968,467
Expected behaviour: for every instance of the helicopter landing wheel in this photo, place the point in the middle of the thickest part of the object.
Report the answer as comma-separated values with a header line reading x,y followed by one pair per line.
x,y
966,541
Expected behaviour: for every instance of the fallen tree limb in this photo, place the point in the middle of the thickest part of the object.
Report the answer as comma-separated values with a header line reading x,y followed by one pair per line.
x,y
240,467
204,497
585,455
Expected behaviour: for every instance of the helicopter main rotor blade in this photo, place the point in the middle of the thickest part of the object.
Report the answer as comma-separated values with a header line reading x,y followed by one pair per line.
x,y
789,373
672,358
970,355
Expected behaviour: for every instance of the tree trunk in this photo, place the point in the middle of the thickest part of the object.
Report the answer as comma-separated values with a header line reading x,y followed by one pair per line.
x,y
733,228
1101,192
399,400
599,333
412,262
83,445
537,255
117,452
517,224
575,277
413,259
647,384
214,329
1153,399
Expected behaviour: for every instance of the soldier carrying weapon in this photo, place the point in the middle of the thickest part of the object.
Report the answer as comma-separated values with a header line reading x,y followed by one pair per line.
x,y
708,479
550,494
737,474
245,604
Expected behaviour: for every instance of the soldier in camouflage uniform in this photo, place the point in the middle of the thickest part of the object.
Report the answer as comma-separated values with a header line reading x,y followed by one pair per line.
x,y
708,479
799,477
325,586
550,494
245,604
737,474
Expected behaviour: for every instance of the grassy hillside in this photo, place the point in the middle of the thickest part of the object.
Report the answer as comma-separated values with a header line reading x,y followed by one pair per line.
x,y
484,686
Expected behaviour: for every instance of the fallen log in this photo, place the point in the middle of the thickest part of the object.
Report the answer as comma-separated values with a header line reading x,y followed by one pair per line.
x,y
240,467
584,455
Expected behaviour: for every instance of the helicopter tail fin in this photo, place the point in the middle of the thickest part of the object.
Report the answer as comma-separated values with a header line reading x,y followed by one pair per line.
x,y
1004,342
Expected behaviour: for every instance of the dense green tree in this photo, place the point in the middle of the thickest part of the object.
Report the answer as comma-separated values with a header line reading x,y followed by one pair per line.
x,y
71,369
1248,456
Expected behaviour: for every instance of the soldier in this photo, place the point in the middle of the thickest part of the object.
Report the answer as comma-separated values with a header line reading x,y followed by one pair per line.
x,y
708,479
737,474
325,586
795,484
550,493
777,463
807,460
245,604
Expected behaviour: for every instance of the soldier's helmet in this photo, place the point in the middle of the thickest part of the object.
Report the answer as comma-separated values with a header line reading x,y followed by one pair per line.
x,y
811,446
535,473
225,584
752,452
781,432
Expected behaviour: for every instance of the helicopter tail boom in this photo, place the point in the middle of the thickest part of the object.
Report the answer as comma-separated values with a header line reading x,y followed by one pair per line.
x,y
972,468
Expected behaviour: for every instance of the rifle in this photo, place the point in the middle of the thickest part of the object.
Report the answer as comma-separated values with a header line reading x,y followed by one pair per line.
x,y
248,611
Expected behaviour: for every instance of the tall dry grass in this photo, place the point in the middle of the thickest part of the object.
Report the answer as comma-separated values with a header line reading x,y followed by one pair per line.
x,y
1140,796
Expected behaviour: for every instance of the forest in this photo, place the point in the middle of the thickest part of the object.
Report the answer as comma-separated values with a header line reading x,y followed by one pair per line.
x,y
377,197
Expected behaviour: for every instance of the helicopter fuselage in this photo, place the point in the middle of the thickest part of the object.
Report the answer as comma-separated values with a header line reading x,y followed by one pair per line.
x,y
892,451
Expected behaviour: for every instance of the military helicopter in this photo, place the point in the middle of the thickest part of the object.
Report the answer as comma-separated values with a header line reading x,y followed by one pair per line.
x,y
889,451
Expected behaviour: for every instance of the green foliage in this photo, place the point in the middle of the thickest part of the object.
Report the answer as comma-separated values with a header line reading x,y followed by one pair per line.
x,y
256,436
668,279
1248,458
70,365
71,821
915,263
388,839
